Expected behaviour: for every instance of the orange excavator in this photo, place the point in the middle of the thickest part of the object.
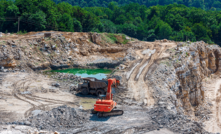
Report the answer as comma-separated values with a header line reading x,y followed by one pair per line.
x,y
104,107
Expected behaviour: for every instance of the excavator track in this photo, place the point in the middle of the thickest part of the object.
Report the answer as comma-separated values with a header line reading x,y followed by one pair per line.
x,y
112,113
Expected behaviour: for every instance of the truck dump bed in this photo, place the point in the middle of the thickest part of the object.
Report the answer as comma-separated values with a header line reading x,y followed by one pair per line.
x,y
98,84
95,83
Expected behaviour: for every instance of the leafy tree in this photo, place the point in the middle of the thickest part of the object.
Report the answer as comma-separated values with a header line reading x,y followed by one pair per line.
x,y
64,8
165,31
128,29
33,22
154,11
77,25
88,20
150,35
217,4
198,3
112,5
120,19
12,11
200,31
108,26
66,23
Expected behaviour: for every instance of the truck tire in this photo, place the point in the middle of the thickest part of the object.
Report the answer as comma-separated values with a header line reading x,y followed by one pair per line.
x,y
99,92
84,91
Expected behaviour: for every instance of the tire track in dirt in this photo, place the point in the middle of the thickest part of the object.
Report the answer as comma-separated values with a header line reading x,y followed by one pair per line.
x,y
132,68
144,63
34,100
52,100
33,103
151,70
25,99
153,66
147,96
136,84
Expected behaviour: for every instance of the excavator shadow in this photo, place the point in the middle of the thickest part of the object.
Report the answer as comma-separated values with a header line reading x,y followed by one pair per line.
x,y
94,117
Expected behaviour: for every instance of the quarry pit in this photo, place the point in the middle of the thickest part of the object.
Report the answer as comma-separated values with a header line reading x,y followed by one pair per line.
x,y
166,86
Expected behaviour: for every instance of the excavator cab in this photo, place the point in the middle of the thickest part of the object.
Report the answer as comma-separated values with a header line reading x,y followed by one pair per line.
x,y
102,96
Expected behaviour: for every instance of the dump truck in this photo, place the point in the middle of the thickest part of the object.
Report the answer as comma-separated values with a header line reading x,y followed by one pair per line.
x,y
93,86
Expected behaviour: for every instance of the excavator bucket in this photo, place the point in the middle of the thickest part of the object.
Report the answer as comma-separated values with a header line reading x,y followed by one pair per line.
x,y
118,82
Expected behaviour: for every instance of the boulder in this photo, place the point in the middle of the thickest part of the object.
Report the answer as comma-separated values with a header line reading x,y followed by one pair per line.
x,y
96,38
84,52
56,84
165,40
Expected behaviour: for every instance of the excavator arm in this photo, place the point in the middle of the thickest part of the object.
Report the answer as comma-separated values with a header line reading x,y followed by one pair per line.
x,y
111,82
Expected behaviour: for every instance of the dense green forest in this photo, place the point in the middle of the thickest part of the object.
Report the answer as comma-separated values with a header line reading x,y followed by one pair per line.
x,y
174,21
204,4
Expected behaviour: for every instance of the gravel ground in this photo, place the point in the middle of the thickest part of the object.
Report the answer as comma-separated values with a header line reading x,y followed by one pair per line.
x,y
57,118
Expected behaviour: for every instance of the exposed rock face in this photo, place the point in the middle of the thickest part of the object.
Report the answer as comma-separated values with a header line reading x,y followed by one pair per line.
x,y
8,56
188,67
60,51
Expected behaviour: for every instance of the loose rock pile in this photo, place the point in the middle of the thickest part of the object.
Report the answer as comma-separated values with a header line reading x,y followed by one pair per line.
x,y
175,122
58,118
70,81
62,76
2,69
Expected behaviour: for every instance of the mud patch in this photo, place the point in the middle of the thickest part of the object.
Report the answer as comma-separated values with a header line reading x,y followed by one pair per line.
x,y
87,103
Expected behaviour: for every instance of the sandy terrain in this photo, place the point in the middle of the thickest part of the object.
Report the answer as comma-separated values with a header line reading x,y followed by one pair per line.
x,y
213,95
22,93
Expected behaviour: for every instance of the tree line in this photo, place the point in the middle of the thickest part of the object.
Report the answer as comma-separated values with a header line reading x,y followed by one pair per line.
x,y
204,4
175,21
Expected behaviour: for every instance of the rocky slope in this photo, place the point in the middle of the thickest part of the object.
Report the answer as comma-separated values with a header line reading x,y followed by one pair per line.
x,y
62,50
174,79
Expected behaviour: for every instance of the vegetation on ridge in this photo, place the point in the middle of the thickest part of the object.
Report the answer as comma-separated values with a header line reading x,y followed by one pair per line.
x,y
204,4
175,22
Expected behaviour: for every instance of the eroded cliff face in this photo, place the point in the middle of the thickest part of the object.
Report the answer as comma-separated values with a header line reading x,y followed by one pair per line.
x,y
62,50
183,73
171,76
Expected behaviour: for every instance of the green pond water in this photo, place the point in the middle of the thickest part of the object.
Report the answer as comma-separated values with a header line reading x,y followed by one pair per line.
x,y
97,73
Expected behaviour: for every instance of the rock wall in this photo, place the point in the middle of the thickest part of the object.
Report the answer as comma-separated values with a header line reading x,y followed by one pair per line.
x,y
61,50
189,64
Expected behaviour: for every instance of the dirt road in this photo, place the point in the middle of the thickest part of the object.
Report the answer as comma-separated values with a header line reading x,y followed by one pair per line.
x,y
138,89
213,95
